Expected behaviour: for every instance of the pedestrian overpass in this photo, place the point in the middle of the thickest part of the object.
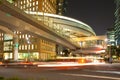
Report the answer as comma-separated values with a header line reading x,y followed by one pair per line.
x,y
60,29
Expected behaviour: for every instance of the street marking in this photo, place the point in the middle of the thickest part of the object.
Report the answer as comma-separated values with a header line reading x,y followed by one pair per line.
x,y
111,72
92,76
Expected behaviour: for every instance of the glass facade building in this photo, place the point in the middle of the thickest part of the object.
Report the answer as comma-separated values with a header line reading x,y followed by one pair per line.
x,y
111,37
117,22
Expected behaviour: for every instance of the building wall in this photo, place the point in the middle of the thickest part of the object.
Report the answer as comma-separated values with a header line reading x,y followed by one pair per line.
x,y
117,22
6,46
47,50
29,47
47,6
35,48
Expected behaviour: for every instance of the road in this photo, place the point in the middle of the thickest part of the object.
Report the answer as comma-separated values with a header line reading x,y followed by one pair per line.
x,y
87,72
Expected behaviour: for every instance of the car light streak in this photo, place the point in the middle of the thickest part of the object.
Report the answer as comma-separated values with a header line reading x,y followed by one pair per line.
x,y
65,64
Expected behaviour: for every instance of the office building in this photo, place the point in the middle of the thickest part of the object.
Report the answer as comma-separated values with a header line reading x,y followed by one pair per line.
x,y
117,22
111,36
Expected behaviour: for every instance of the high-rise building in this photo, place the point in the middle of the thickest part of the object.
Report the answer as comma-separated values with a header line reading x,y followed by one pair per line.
x,y
117,22
111,36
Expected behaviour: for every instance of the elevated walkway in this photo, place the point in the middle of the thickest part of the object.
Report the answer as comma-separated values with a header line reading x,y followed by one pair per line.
x,y
62,30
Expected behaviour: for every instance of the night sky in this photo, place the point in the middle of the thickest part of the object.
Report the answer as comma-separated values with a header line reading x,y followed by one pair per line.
x,y
99,14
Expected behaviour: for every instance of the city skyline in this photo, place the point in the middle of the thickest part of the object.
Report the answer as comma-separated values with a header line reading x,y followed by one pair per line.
x,y
99,14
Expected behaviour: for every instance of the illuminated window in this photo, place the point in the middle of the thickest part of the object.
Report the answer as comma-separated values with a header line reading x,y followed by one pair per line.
x,y
33,9
29,36
24,1
43,3
21,2
22,47
25,47
36,2
30,4
22,36
32,46
15,4
36,7
29,47
11,42
33,3
26,36
43,8
27,5
21,7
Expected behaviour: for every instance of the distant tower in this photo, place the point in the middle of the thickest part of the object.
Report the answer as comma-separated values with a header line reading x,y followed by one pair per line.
x,y
117,22
111,36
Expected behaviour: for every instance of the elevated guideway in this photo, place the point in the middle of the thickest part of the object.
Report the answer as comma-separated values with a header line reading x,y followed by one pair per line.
x,y
14,19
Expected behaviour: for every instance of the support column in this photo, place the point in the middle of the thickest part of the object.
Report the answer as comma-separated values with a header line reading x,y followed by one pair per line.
x,y
15,38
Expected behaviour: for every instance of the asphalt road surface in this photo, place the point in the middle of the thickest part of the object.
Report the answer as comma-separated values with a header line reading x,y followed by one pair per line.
x,y
88,72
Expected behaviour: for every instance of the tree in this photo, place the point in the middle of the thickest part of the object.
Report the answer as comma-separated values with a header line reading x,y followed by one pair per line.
x,y
66,52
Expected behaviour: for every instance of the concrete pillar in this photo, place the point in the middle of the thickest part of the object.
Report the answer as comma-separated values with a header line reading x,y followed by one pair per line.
x,y
15,38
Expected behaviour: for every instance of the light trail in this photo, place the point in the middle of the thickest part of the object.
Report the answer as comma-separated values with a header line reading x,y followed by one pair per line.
x,y
65,64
